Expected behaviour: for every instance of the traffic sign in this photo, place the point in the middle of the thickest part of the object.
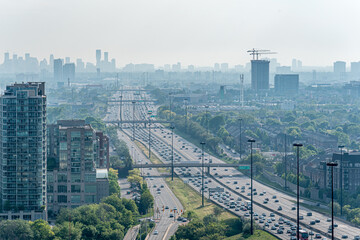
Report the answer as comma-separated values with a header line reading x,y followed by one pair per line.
x,y
244,167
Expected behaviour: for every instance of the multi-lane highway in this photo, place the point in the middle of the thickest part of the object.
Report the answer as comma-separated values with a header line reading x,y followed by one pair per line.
x,y
164,200
267,201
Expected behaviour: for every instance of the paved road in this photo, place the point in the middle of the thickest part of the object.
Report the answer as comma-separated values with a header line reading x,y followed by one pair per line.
x,y
227,177
163,196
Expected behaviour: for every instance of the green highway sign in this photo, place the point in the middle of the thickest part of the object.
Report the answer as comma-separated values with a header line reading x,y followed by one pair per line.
x,y
244,167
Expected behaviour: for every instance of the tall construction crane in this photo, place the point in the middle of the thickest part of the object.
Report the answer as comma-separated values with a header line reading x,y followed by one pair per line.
x,y
256,52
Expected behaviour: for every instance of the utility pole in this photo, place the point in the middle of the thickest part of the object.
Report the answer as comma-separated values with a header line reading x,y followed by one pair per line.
x,y
341,179
251,141
172,152
332,165
298,145
149,135
170,106
202,174
207,119
120,115
240,121
285,162
133,102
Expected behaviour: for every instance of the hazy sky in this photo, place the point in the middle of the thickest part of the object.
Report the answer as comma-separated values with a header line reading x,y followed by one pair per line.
x,y
198,32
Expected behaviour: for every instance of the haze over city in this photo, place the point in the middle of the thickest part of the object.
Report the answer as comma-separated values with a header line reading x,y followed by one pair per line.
x,y
192,32
179,120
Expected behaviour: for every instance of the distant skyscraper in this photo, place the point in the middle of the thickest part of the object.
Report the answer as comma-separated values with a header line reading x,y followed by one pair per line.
x,y
98,58
191,68
299,65
224,67
67,60
294,65
339,67
23,149
287,84
216,67
106,57
80,66
6,57
167,68
260,75
69,72
51,60
355,67
58,70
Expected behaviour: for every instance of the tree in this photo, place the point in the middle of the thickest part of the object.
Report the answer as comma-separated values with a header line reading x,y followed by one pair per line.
x,y
68,230
15,230
42,230
216,122
146,202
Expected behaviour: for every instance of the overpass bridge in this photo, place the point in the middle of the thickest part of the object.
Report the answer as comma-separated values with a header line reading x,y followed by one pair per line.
x,y
192,165
131,101
145,122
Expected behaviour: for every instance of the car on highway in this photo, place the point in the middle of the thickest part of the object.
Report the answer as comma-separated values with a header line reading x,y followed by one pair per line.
x,y
156,232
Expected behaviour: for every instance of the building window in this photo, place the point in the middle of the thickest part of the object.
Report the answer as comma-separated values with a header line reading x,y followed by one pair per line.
x,y
75,199
89,198
62,198
75,178
90,177
50,177
62,188
90,188
63,146
75,188
62,177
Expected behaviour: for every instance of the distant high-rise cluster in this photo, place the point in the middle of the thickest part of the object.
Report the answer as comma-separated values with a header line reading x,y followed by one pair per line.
x,y
105,65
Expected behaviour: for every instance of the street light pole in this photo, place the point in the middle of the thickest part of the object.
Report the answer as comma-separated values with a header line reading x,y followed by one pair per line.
x,y
133,102
332,165
202,175
149,136
240,120
251,141
285,162
120,116
170,106
172,153
298,145
207,119
341,179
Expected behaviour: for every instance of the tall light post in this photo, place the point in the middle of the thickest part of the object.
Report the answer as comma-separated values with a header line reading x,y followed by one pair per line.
x,y
341,179
170,106
202,174
207,119
172,152
186,114
149,113
285,161
251,141
120,114
298,145
332,165
240,126
133,120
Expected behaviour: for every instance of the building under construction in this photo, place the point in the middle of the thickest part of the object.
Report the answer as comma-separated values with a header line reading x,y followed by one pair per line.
x,y
260,75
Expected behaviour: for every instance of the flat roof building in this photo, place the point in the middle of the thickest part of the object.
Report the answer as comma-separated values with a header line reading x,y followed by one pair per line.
x,y
259,75
23,151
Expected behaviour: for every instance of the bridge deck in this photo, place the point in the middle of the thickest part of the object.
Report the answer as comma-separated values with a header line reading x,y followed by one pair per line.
x,y
177,165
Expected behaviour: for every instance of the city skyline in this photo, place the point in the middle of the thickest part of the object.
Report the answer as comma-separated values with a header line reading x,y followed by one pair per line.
x,y
191,32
